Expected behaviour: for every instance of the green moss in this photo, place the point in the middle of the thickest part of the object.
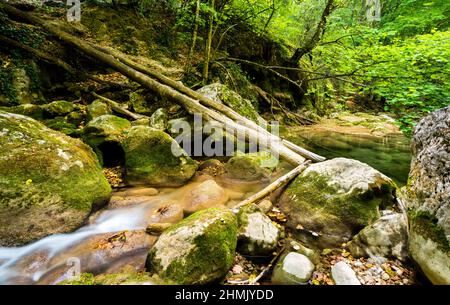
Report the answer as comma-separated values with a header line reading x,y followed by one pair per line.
x,y
214,250
34,167
31,110
150,158
251,166
59,108
85,279
126,278
107,126
314,194
60,124
97,108
425,224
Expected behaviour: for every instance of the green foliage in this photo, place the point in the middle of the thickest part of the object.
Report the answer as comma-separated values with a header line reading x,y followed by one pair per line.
x,y
400,63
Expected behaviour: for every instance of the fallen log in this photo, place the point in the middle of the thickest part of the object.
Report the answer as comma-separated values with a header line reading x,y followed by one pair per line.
x,y
58,62
230,113
273,186
190,104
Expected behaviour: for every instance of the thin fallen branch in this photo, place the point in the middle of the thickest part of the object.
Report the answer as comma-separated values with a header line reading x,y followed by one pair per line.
x,y
116,107
273,186
261,274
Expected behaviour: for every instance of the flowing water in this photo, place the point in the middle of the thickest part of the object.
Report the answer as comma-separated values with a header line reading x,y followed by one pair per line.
x,y
390,154
47,261
94,247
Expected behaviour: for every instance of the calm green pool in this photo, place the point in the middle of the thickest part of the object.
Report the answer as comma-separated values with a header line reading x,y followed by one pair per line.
x,y
390,155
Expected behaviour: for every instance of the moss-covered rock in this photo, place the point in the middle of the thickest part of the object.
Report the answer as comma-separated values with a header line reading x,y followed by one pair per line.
x,y
332,201
31,110
427,195
124,278
105,133
252,166
109,127
138,102
59,108
48,184
97,108
198,250
152,157
60,124
222,94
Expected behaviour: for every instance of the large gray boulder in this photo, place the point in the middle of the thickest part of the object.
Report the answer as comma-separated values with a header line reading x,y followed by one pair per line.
x,y
198,250
428,196
332,201
49,182
387,237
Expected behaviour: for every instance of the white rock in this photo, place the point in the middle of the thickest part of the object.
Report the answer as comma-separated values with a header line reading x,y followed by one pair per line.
x,y
294,269
342,274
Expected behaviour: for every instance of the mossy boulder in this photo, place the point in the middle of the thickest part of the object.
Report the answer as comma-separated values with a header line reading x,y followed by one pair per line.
x,y
97,108
105,134
138,102
128,277
198,250
58,108
251,166
427,195
222,94
332,201
60,124
49,182
107,126
152,157
31,110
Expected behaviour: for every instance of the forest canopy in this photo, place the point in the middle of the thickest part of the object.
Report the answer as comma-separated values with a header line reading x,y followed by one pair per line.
x,y
393,54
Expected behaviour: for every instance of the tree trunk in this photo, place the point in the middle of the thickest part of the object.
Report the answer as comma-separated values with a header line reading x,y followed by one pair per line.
x,y
208,44
318,33
194,36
